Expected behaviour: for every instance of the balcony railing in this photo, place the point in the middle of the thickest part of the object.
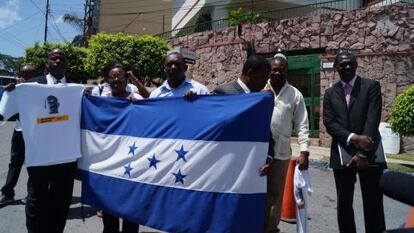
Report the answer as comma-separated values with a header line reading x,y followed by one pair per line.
x,y
279,14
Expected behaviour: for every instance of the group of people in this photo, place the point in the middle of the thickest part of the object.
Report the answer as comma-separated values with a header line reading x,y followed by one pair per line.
x,y
352,110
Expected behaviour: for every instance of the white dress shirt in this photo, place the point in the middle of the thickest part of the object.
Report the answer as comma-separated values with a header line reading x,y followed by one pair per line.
x,y
244,86
188,85
105,89
289,113
52,80
352,83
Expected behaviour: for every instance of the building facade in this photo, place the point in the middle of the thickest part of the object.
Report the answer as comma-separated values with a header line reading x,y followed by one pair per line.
x,y
382,38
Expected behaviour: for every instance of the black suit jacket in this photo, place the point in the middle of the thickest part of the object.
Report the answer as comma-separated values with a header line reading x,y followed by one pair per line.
x,y
361,117
235,88
39,79
42,80
229,88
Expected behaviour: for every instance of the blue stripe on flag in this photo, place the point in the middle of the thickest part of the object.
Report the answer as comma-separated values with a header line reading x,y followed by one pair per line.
x,y
172,209
209,117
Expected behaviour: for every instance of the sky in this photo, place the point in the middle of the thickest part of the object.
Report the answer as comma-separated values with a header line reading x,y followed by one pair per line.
x,y
22,23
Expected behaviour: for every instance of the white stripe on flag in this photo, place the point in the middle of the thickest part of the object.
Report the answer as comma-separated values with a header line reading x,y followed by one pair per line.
x,y
211,166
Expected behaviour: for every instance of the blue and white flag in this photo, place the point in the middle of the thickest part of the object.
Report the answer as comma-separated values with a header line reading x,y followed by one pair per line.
x,y
175,165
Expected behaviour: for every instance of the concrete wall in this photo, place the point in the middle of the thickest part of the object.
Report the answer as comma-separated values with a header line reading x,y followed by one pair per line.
x,y
135,17
382,37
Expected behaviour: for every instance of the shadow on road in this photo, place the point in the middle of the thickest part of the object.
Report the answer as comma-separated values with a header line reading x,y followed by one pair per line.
x,y
81,211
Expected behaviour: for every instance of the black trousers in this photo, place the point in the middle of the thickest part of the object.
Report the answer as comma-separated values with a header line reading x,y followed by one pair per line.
x,y
49,196
111,224
15,165
372,199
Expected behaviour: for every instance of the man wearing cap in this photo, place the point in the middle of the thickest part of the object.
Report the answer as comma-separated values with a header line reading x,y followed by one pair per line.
x,y
289,113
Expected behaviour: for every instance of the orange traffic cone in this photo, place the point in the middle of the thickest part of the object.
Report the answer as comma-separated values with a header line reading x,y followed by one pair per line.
x,y
410,218
288,213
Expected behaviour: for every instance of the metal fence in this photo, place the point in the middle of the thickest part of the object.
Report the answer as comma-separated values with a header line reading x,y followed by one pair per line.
x,y
279,14
272,15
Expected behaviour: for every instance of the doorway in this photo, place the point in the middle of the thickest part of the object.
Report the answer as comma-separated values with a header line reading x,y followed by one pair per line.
x,y
304,74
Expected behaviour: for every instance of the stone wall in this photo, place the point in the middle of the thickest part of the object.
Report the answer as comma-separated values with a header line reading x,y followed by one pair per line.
x,y
395,73
382,37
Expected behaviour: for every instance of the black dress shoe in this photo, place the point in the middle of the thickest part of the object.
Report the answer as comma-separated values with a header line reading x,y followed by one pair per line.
x,y
5,200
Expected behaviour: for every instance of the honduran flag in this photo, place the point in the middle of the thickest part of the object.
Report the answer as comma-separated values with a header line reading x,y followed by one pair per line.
x,y
176,165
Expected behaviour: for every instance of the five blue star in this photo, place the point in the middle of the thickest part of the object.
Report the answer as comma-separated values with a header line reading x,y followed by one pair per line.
x,y
179,177
132,149
153,162
181,154
128,170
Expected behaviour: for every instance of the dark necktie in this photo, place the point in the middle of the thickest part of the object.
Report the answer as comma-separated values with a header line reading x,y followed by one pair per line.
x,y
58,81
348,91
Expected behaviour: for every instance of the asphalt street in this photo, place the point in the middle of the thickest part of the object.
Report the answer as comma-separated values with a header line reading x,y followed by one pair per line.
x,y
322,207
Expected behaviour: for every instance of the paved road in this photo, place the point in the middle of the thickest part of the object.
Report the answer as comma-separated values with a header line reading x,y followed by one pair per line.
x,y
322,209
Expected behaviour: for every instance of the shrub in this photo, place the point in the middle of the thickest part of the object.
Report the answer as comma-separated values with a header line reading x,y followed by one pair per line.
x,y
144,55
37,56
402,113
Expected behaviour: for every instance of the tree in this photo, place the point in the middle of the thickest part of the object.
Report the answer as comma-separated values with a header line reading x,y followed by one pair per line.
x,y
78,24
144,55
402,113
9,65
37,56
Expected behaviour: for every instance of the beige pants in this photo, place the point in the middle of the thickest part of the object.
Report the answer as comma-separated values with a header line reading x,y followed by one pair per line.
x,y
275,187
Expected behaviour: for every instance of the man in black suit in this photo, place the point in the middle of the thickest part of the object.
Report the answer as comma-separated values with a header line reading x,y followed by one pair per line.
x,y
50,187
255,73
56,66
351,115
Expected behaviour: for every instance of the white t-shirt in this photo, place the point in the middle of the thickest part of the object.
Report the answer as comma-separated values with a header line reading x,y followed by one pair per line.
x,y
105,89
50,119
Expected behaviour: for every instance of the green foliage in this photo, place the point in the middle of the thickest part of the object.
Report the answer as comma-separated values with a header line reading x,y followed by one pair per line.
x,y
37,56
143,55
402,113
9,65
238,16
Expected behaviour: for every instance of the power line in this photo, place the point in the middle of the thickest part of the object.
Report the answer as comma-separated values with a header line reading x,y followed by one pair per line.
x,y
21,21
57,29
34,3
12,38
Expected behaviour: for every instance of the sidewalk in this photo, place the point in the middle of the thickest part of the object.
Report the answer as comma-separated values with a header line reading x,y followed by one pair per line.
x,y
317,153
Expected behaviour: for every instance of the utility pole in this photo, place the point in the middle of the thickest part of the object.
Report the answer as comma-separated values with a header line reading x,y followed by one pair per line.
x,y
163,23
85,18
88,29
46,15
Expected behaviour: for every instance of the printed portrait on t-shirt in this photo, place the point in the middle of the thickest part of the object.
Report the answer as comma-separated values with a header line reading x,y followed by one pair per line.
x,y
52,104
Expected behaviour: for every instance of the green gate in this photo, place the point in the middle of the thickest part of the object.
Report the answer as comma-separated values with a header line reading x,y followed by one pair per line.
x,y
304,73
